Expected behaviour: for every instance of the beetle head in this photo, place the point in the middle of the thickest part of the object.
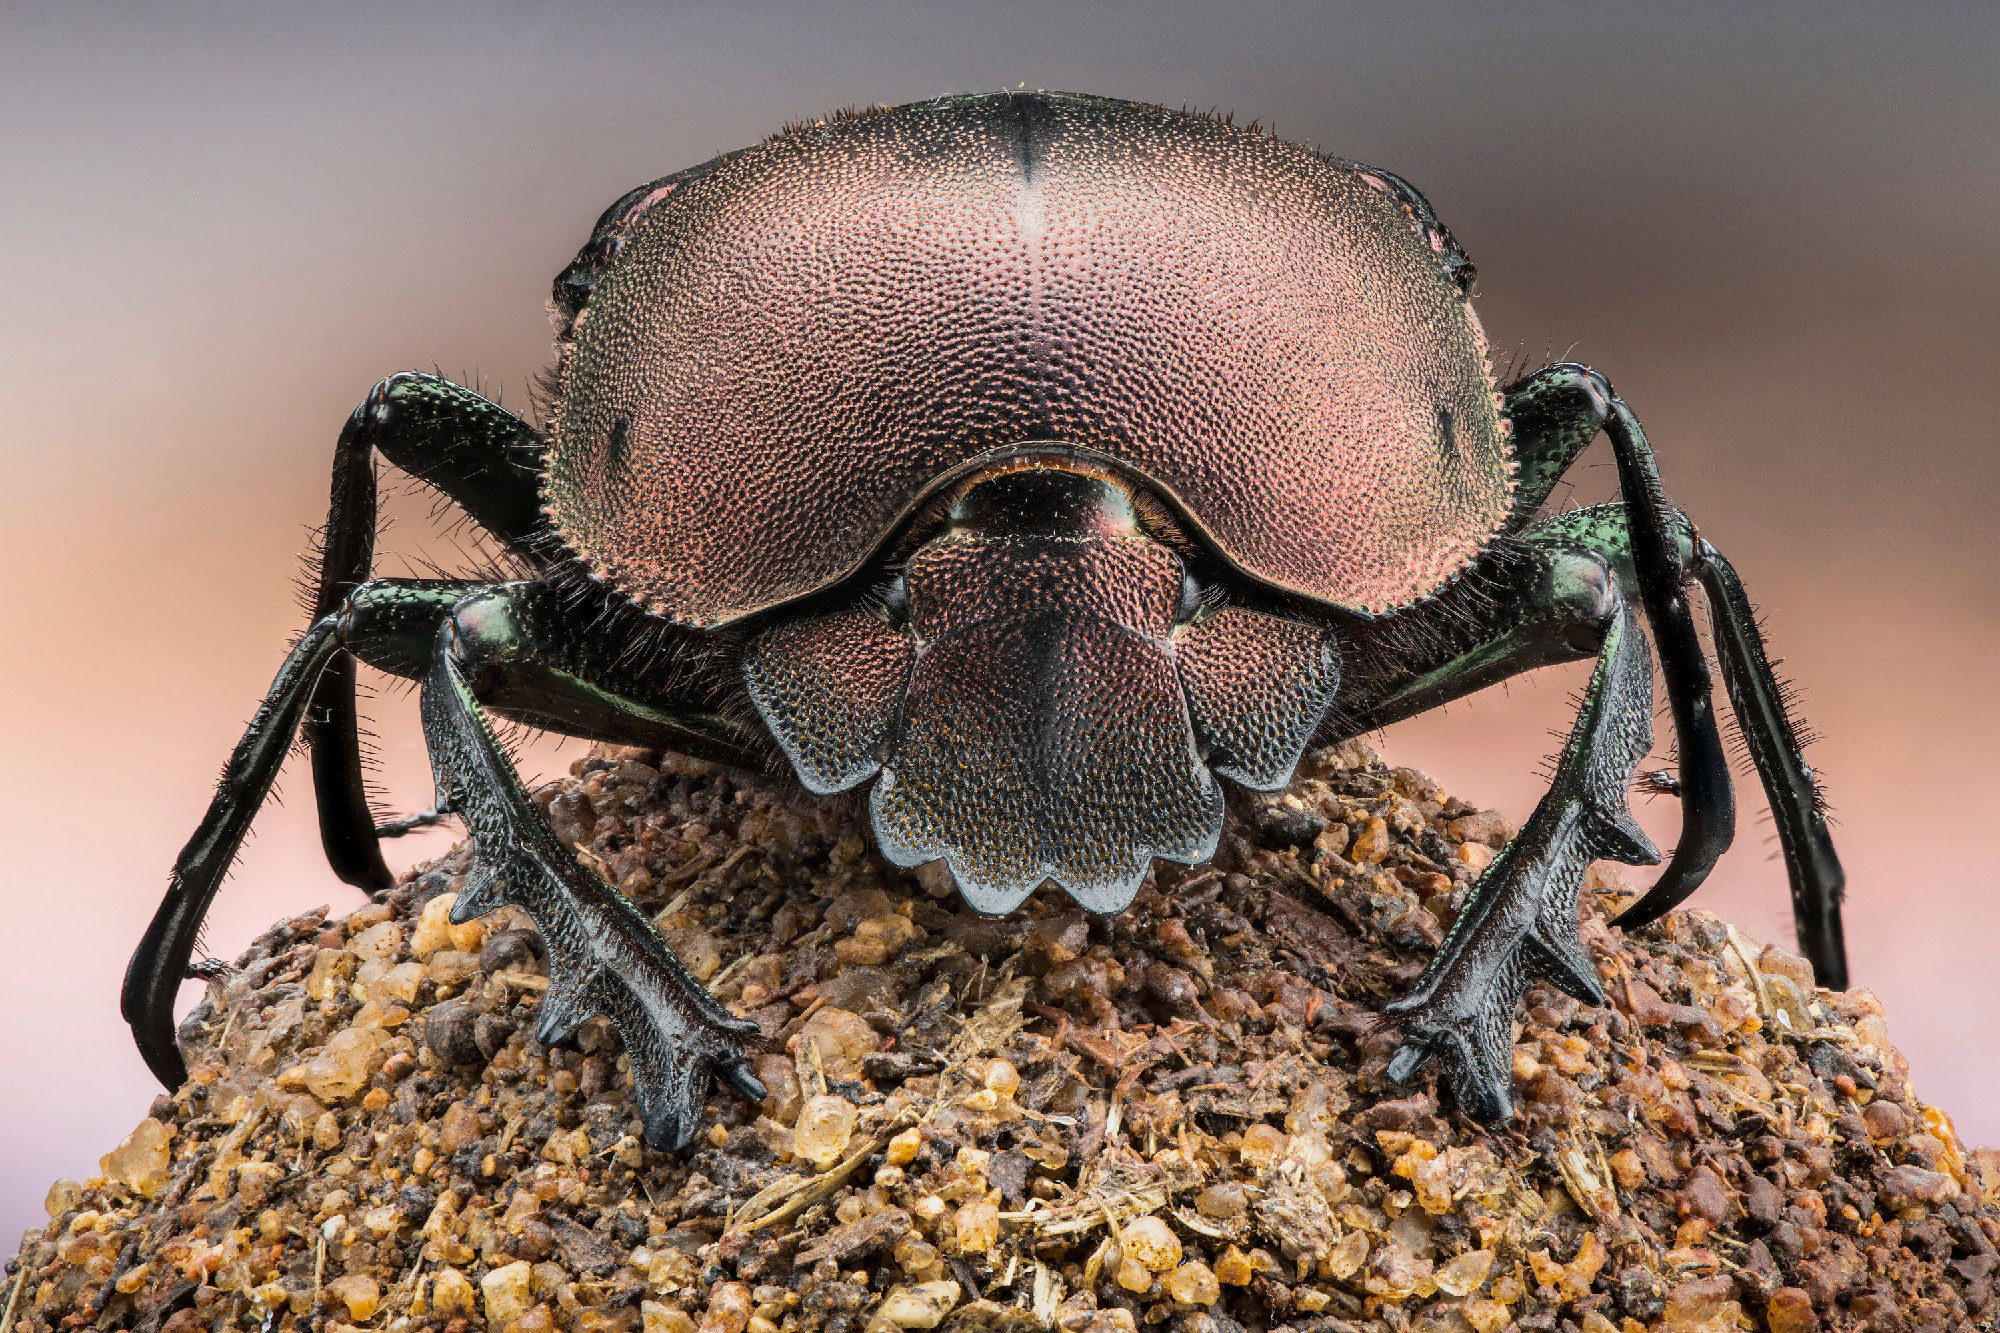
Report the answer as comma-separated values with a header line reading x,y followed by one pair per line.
x,y
1043,690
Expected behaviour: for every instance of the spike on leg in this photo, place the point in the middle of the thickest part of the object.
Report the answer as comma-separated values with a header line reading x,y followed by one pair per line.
x,y
605,957
1521,921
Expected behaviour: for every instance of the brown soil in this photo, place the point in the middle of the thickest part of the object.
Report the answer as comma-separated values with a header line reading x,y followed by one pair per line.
x,y
1175,1117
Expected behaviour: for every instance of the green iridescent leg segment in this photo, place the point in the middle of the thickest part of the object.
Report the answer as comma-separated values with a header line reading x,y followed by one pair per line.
x,y
475,453
547,660
605,957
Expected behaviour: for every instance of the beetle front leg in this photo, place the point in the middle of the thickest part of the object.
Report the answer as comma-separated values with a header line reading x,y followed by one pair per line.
x,y
1521,919
605,957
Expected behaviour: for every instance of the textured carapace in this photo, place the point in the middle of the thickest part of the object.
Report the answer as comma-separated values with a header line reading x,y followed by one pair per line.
x,y
766,361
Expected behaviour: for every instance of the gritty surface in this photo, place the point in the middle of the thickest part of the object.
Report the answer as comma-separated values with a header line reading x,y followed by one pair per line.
x,y
1177,1116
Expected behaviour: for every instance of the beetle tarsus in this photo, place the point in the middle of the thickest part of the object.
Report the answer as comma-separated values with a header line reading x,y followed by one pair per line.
x,y
422,819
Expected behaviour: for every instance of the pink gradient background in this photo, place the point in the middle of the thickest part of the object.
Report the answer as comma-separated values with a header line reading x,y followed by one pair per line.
x,y
1777,233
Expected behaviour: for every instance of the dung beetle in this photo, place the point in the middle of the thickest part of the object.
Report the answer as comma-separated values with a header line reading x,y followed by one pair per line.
x,y
1039,459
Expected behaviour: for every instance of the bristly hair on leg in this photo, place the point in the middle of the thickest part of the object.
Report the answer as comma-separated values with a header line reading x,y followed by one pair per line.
x,y
1657,782
1729,604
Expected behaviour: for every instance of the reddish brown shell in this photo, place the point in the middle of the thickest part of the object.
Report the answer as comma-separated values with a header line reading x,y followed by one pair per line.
x,y
768,360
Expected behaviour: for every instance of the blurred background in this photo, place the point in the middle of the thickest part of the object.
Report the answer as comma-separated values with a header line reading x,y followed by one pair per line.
x,y
1775,227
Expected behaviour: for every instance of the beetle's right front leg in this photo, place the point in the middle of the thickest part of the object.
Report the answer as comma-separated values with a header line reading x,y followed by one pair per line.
x,y
1521,919
605,957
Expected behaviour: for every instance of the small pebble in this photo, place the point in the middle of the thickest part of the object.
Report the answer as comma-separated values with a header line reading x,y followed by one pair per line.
x,y
825,1126
976,1228
359,1293
143,1162
729,1307
921,1306
1465,1273
1193,1283
1234,1268
451,1293
1149,1241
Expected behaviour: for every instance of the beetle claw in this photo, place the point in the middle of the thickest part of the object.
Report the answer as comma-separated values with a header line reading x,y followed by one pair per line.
x,y
209,969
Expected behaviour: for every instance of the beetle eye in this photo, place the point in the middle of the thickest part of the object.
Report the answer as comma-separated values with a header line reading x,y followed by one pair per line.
x,y
895,597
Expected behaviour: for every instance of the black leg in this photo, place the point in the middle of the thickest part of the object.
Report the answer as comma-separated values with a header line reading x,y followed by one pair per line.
x,y
538,656
1530,603
474,452
1555,413
1708,798
408,824
1665,552
1774,743
332,724
388,623
1521,919
605,957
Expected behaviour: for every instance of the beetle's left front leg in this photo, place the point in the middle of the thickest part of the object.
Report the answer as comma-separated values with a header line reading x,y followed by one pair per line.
x,y
1521,920
605,957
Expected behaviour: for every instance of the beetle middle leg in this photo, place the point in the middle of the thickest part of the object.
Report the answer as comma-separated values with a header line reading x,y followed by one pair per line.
x,y
389,623
534,653
1555,413
475,453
